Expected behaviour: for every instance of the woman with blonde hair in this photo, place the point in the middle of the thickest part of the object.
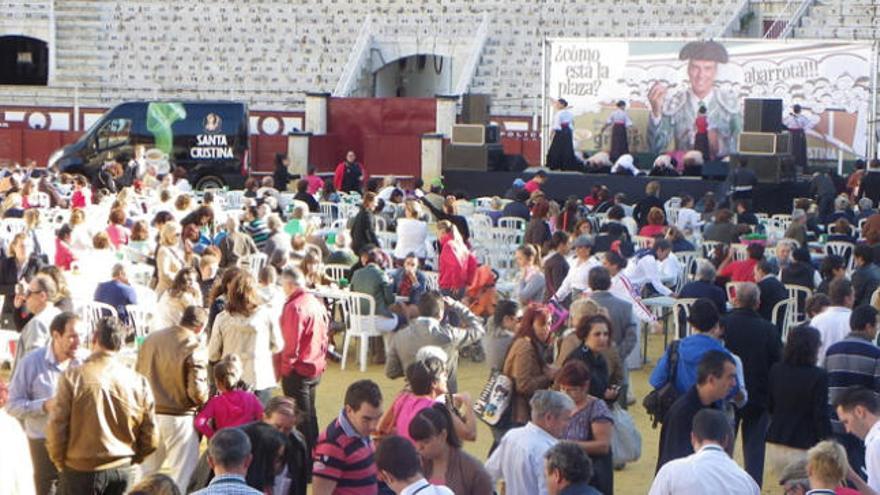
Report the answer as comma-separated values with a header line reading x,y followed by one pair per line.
x,y
457,263
247,328
170,258
530,280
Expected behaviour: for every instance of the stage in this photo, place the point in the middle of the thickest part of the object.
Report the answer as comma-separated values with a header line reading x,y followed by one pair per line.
x,y
768,198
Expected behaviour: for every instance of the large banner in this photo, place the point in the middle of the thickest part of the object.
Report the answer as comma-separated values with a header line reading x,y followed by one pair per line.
x,y
664,83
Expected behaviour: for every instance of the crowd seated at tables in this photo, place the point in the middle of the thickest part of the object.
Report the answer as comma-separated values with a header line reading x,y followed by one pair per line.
x,y
256,294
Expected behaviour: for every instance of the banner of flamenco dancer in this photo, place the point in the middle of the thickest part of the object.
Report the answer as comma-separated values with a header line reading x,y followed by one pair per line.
x,y
658,96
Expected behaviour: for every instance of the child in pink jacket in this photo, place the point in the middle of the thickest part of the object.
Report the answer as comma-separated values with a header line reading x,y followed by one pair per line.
x,y
232,406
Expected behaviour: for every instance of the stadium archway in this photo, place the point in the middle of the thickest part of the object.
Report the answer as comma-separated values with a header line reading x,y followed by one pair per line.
x,y
24,61
416,76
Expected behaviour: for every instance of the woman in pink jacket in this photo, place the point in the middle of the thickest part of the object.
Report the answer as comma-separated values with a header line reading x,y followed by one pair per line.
x,y
457,263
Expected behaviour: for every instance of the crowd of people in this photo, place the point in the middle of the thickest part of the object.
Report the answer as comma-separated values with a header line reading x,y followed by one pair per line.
x,y
148,316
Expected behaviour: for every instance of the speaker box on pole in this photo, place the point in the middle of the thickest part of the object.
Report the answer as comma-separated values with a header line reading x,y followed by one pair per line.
x,y
475,108
762,115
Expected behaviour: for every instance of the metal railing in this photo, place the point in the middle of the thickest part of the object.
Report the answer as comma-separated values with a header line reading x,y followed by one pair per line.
x,y
790,17
469,69
359,54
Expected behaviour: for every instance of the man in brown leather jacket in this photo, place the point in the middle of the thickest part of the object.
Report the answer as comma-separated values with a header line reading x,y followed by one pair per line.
x,y
103,420
175,363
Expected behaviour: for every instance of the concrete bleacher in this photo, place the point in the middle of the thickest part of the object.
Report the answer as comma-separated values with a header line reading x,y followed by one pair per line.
x,y
841,19
269,52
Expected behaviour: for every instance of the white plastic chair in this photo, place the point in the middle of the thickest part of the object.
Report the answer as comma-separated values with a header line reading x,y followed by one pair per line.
x,y
740,251
843,249
140,317
253,263
432,280
359,311
335,272
329,212
680,312
798,294
515,223
234,199
782,310
91,313
643,242
708,248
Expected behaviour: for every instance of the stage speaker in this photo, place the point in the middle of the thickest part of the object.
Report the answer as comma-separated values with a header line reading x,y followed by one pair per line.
x,y
762,115
475,108
493,134
768,169
469,134
480,158
714,170
764,143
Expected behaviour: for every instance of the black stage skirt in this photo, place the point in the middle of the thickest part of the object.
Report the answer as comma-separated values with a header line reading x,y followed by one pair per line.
x,y
560,156
701,144
619,143
799,149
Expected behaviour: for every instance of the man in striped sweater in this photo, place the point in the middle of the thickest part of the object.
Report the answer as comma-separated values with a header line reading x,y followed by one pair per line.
x,y
855,360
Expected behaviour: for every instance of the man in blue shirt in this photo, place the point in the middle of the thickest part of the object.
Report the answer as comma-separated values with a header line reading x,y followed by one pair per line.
x,y
32,390
117,292
706,336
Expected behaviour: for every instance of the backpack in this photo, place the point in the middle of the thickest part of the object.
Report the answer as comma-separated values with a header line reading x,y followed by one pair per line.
x,y
658,402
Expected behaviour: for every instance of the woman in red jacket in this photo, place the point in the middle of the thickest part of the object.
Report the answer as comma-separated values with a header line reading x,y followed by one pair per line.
x,y
457,263
350,175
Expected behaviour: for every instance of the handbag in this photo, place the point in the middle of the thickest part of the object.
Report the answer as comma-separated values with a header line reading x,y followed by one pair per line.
x,y
626,442
558,315
661,399
494,399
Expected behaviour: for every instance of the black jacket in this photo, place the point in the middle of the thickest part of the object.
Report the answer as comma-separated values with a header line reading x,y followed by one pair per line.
x,y
798,406
516,209
701,288
309,200
640,212
9,277
675,434
363,231
865,281
757,343
772,291
598,369
870,187
555,270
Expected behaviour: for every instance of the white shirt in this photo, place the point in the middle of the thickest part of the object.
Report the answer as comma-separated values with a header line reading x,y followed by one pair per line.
x,y
710,470
422,487
688,219
872,456
519,460
563,116
411,236
16,469
833,326
646,270
577,276
622,288
619,117
798,121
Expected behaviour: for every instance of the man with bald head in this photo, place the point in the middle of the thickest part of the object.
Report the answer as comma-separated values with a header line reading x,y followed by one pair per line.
x,y
756,341
672,116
